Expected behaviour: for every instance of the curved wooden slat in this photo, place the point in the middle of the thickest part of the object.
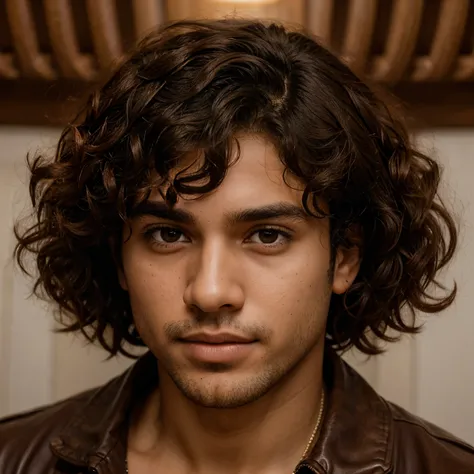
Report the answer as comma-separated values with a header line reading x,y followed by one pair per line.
x,y
464,70
32,63
59,19
319,19
449,32
147,14
360,28
105,29
402,36
7,69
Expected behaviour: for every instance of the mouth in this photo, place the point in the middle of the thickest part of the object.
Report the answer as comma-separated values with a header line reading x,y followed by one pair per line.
x,y
220,348
217,339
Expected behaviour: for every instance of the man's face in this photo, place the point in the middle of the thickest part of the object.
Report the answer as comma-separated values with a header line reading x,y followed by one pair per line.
x,y
231,292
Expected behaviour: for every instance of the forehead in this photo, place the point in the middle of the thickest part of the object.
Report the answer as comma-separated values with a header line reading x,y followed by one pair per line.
x,y
256,178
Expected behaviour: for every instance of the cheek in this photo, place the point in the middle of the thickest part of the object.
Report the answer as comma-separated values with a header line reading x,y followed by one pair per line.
x,y
154,290
296,290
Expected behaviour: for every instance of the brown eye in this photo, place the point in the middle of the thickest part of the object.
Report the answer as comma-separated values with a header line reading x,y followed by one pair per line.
x,y
268,236
170,235
167,235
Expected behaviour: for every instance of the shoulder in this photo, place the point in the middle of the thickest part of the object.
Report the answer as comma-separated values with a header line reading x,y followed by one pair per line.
x,y
421,447
25,437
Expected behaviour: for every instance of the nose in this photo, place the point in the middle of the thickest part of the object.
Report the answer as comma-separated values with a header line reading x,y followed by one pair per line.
x,y
214,282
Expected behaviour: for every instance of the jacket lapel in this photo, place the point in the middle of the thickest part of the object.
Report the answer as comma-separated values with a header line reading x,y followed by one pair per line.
x,y
357,428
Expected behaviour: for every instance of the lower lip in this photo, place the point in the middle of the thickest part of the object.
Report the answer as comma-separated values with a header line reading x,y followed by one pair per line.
x,y
218,353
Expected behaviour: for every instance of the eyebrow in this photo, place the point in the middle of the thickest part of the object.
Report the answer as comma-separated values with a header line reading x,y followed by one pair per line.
x,y
163,211
279,210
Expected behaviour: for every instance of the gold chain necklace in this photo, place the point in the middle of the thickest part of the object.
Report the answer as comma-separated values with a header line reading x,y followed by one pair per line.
x,y
315,430
311,439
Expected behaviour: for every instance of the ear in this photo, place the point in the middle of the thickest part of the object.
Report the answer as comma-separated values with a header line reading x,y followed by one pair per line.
x,y
122,278
346,267
118,266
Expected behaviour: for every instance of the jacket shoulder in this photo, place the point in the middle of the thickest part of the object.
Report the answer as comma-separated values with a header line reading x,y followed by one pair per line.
x,y
25,437
422,447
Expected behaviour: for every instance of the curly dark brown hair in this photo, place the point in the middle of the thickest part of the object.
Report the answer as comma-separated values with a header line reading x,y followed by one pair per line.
x,y
195,85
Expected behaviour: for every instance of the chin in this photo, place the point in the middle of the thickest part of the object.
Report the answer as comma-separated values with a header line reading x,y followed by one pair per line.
x,y
223,389
222,399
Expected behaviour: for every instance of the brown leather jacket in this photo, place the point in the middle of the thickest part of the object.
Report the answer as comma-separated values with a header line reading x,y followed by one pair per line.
x,y
362,433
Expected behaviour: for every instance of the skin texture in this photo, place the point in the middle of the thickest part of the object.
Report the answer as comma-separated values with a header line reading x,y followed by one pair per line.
x,y
269,280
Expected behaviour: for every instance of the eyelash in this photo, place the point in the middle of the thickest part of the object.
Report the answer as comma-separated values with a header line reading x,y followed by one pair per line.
x,y
149,232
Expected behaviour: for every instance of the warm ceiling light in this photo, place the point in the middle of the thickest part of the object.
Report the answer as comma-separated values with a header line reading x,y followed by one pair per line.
x,y
291,11
257,2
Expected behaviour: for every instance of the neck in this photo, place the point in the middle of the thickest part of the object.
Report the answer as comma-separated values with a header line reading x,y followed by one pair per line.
x,y
268,435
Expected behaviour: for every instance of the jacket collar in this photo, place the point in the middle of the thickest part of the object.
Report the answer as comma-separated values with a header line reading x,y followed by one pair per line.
x,y
355,437
96,435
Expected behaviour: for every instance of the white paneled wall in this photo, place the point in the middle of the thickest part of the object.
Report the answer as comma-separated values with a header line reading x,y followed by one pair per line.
x,y
430,375
26,345
445,352
36,366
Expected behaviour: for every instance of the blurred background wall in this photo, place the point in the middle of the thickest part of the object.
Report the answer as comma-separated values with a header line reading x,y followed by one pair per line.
x,y
423,52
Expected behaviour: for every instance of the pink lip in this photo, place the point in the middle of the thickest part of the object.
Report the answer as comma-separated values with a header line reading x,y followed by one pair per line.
x,y
218,338
222,348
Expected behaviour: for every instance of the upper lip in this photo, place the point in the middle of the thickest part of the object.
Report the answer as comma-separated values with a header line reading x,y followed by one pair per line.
x,y
217,338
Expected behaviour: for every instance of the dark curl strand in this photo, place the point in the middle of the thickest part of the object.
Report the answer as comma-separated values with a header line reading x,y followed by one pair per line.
x,y
193,86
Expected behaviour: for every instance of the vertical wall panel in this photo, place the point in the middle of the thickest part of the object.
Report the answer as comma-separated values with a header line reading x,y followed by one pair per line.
x,y
26,343
6,289
31,350
445,352
396,373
